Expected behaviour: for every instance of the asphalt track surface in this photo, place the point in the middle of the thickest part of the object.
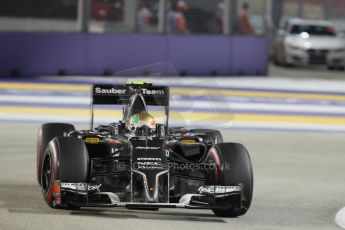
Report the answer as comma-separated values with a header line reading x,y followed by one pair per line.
x,y
299,184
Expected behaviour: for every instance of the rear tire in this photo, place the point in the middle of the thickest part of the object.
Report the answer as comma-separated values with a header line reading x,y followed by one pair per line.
x,y
240,173
46,133
65,159
214,134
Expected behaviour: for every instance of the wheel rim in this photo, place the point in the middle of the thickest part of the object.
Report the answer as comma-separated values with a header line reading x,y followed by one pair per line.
x,y
46,173
213,177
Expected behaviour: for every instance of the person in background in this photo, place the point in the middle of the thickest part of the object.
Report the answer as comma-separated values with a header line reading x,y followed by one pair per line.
x,y
220,17
143,17
244,22
176,20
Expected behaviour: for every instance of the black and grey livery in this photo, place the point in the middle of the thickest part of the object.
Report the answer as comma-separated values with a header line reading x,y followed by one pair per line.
x,y
169,167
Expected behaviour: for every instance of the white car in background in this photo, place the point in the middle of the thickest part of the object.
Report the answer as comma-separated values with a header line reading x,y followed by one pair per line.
x,y
302,42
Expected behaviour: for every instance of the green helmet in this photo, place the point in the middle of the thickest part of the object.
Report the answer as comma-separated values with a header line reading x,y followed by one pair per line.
x,y
142,119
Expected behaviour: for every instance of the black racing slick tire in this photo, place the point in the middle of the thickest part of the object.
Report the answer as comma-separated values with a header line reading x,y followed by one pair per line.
x,y
46,133
236,170
215,135
65,159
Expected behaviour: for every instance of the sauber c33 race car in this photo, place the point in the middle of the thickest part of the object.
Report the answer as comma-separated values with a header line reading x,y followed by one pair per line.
x,y
138,163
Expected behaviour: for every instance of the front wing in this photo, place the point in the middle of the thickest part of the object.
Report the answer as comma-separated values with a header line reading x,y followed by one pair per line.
x,y
89,195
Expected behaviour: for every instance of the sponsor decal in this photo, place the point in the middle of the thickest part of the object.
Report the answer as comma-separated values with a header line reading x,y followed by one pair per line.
x,y
81,186
94,187
149,159
92,140
99,90
188,142
74,186
147,148
152,92
135,83
218,189
147,165
144,91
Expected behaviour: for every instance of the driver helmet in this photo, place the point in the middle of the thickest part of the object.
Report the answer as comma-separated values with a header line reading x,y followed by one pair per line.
x,y
142,121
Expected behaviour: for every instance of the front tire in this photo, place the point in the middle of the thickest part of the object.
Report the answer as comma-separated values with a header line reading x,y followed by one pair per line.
x,y
65,159
237,157
46,133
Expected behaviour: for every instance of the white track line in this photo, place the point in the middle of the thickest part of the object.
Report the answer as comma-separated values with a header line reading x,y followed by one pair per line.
x,y
46,99
211,105
340,218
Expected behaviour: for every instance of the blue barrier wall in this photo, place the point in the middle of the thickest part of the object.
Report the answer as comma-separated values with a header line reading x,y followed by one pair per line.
x,y
92,54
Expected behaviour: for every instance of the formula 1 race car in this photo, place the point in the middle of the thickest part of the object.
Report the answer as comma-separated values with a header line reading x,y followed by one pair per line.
x,y
138,163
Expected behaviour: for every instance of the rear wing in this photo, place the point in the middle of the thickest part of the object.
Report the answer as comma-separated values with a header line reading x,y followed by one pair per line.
x,y
108,94
120,94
